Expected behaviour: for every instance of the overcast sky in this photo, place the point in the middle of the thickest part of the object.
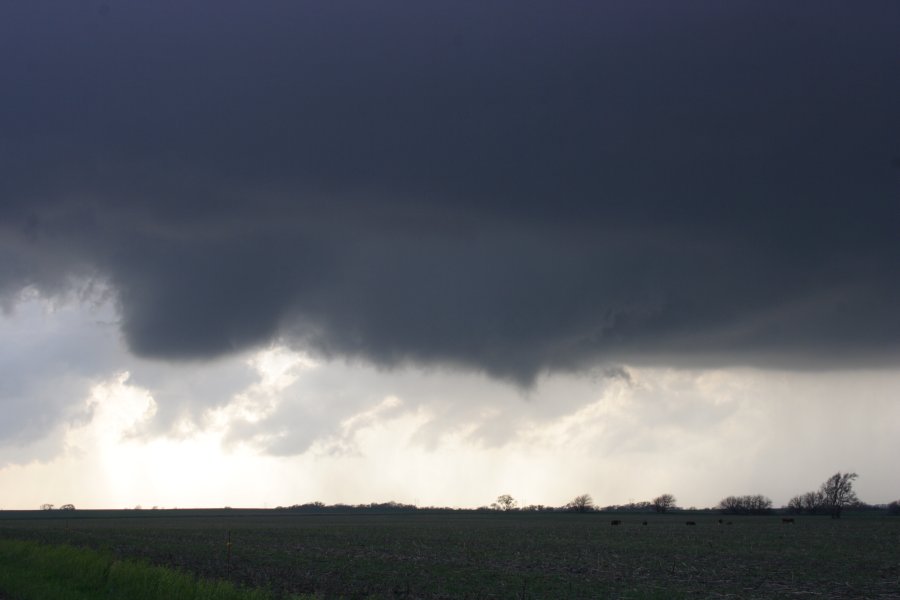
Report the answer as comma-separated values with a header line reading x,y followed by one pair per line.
x,y
273,252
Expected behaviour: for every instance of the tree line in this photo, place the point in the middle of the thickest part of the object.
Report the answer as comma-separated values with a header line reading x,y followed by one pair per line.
x,y
834,496
831,498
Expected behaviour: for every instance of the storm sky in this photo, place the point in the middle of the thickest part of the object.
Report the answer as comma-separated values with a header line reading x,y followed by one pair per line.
x,y
277,225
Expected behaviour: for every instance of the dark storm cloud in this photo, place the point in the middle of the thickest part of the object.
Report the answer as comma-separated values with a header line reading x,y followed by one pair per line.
x,y
511,187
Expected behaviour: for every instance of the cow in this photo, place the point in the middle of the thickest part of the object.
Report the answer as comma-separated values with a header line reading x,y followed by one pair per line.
x,y
787,520
615,522
644,523
690,522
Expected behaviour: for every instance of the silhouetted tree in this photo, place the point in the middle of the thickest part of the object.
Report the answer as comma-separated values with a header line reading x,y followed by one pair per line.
x,y
795,505
810,503
894,508
46,507
582,503
67,507
537,508
505,502
663,503
730,505
643,506
746,505
838,493
813,502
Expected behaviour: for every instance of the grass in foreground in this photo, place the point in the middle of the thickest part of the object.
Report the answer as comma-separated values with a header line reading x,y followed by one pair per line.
x,y
29,570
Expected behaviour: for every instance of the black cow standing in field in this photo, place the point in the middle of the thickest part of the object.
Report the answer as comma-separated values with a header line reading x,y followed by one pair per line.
x,y
644,523
787,520
690,522
615,522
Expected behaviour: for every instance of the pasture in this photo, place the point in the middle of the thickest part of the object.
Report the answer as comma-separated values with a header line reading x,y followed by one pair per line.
x,y
495,555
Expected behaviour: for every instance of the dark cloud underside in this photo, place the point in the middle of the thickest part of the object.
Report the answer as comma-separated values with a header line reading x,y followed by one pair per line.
x,y
505,186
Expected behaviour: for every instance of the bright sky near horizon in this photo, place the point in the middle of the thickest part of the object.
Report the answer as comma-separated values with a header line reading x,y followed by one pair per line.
x,y
266,253
436,438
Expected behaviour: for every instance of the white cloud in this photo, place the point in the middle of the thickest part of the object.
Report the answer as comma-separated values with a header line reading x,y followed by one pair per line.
x,y
275,427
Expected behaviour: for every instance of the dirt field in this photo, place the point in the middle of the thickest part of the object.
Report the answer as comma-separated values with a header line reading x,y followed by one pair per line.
x,y
494,555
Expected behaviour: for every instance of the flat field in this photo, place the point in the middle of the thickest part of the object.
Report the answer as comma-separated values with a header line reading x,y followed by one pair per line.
x,y
496,555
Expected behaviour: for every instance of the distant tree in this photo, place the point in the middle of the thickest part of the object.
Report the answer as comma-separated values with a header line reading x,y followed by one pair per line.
x,y
746,505
663,503
644,506
309,506
811,503
894,508
832,497
837,492
759,504
730,505
582,503
67,507
46,507
506,502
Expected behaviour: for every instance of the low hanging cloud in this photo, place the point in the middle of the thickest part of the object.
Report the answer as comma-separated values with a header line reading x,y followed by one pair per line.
x,y
505,188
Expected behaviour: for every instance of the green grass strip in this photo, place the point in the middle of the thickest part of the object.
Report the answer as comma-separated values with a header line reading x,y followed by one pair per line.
x,y
29,570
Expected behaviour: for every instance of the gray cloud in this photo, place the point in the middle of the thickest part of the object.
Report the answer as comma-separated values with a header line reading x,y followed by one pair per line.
x,y
499,187
50,357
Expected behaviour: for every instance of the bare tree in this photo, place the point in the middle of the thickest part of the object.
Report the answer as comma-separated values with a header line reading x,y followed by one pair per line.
x,y
810,503
813,502
731,505
67,507
663,503
746,505
582,503
505,502
46,507
838,492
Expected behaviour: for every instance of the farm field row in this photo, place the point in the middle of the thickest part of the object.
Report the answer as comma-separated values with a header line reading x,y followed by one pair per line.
x,y
496,555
